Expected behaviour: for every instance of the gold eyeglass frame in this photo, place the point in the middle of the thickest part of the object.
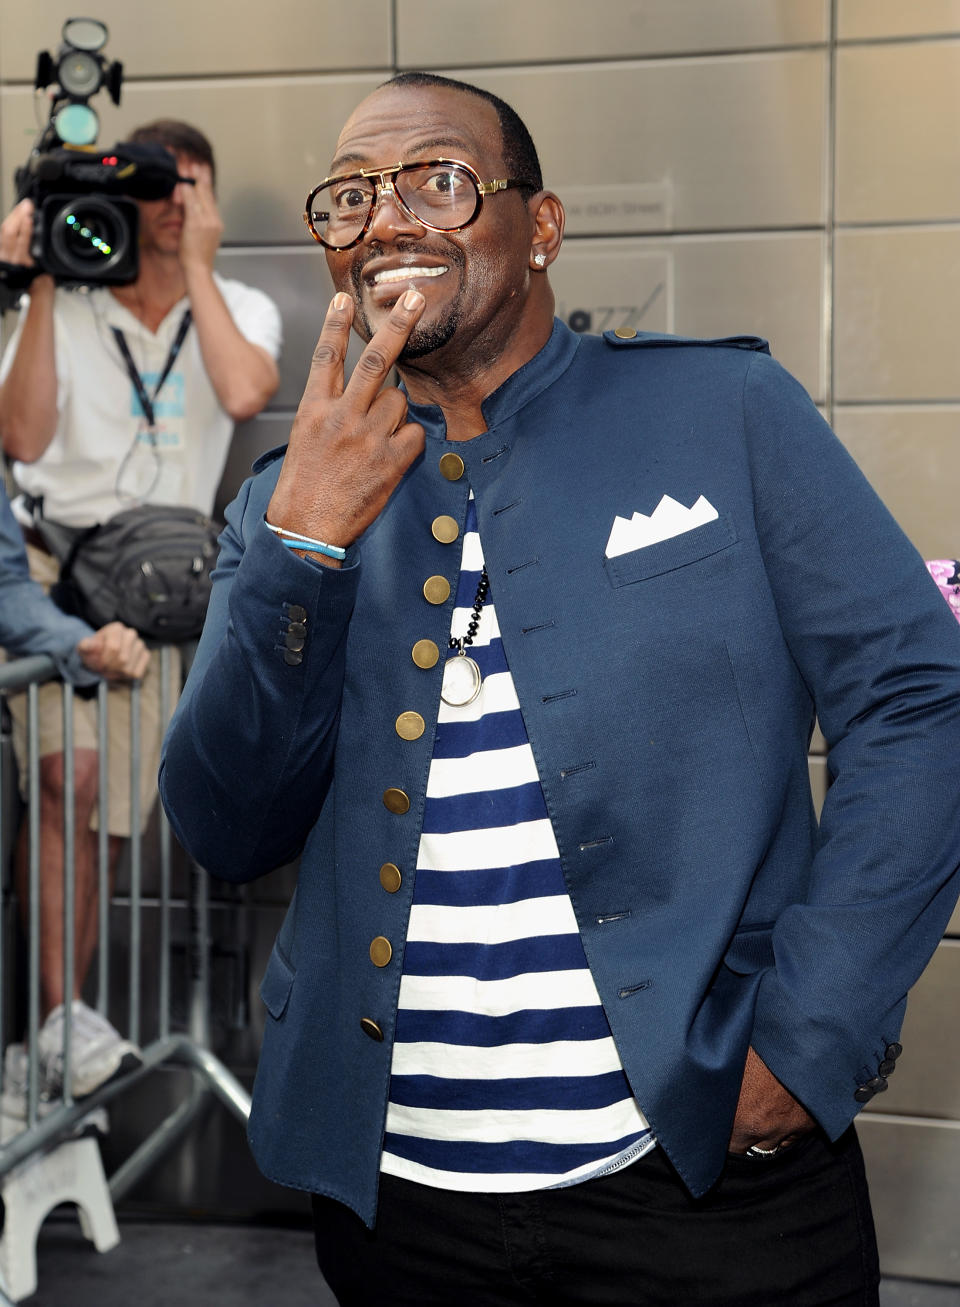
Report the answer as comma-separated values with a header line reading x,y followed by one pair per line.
x,y
384,184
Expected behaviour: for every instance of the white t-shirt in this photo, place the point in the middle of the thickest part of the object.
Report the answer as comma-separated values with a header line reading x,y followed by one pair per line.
x,y
101,459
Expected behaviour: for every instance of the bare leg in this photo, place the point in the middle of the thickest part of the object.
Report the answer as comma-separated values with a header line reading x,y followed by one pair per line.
x,y
52,873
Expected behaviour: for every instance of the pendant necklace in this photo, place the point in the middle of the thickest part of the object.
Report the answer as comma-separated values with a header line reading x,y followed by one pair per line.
x,y
461,675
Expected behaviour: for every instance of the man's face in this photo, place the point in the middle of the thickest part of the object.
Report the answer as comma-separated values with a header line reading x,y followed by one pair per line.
x,y
161,221
474,281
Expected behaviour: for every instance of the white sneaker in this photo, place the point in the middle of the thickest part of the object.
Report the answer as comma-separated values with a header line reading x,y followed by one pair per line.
x,y
13,1104
98,1052
15,1076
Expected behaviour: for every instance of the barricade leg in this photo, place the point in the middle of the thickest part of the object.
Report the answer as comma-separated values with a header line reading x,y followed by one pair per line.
x,y
72,1172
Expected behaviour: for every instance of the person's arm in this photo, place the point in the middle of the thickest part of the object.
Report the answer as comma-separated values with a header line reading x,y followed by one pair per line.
x,y
28,393
243,374
248,757
880,653
31,623
249,754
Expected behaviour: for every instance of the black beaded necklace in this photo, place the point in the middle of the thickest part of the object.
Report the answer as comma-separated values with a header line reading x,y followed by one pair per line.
x,y
461,675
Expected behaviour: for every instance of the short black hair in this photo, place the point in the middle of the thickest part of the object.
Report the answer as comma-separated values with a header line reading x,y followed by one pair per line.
x,y
519,152
177,137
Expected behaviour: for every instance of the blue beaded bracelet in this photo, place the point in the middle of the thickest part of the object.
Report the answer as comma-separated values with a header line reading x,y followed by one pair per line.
x,y
314,546
291,540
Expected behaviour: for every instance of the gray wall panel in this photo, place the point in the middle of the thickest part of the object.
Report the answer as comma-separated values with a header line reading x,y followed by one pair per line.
x,y
501,31
273,139
297,280
877,18
912,1168
898,132
180,38
897,307
903,451
250,440
927,1079
736,142
765,285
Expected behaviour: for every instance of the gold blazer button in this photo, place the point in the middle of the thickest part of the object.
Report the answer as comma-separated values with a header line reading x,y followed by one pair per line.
x,y
445,529
390,877
452,467
380,951
436,589
425,654
410,726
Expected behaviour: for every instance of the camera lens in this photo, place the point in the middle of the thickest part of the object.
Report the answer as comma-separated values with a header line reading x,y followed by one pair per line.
x,y
89,235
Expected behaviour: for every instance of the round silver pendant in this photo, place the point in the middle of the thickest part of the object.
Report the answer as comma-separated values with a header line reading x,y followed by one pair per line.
x,y
461,681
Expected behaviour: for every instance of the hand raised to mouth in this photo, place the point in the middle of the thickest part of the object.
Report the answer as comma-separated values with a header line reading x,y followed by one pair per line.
x,y
350,444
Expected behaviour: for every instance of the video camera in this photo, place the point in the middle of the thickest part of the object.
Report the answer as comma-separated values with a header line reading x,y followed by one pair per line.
x,y
86,223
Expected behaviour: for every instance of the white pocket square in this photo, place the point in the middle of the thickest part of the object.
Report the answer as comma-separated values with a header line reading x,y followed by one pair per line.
x,y
668,519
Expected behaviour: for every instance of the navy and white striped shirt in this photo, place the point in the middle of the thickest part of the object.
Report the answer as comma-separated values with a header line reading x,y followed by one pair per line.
x,y
505,1075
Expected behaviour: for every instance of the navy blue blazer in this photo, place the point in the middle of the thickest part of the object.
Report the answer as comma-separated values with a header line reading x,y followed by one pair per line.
x,y
669,695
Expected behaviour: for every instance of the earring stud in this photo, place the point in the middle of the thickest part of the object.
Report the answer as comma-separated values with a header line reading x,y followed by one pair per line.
x,y
540,259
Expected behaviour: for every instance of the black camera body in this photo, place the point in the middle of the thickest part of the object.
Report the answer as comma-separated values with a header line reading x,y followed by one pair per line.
x,y
86,221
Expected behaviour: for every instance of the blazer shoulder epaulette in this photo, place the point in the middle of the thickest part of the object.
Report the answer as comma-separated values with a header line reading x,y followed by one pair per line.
x,y
630,338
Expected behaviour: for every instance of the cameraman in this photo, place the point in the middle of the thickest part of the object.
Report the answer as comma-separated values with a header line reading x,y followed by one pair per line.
x,y
72,419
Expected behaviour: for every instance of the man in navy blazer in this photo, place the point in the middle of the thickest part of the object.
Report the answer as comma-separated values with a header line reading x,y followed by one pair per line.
x,y
685,567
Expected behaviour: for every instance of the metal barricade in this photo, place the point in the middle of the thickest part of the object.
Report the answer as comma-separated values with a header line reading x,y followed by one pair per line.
x,y
43,1132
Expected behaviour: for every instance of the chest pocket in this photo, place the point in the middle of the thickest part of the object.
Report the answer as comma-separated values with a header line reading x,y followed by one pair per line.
x,y
667,555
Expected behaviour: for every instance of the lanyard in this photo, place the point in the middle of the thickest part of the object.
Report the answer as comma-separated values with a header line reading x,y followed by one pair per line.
x,y
147,401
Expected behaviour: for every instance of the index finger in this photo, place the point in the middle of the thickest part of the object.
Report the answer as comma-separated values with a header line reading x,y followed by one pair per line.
x,y
325,378
383,349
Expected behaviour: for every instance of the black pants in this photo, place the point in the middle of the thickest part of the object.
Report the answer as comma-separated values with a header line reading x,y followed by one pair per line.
x,y
793,1231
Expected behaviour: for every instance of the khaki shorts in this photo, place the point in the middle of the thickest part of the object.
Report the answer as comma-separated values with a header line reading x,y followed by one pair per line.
x,y
44,568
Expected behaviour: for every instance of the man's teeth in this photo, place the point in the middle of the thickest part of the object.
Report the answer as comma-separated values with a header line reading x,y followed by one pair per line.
x,y
405,274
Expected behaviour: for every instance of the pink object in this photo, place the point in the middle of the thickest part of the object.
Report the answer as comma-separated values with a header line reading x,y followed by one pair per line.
x,y
946,573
